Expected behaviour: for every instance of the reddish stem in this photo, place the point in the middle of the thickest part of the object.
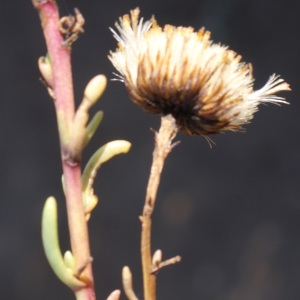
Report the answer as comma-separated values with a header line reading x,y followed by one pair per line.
x,y
60,59
64,104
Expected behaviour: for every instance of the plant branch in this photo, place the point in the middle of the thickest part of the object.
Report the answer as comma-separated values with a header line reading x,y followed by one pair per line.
x,y
60,58
163,146
171,261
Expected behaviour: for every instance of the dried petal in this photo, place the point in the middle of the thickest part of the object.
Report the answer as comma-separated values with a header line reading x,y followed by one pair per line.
x,y
175,70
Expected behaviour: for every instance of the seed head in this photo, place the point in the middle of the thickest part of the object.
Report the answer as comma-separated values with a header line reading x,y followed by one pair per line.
x,y
175,70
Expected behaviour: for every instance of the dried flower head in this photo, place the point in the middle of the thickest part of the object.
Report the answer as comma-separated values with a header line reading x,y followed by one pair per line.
x,y
175,70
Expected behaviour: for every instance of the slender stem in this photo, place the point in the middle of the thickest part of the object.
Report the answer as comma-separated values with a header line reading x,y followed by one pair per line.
x,y
65,109
60,58
163,146
78,229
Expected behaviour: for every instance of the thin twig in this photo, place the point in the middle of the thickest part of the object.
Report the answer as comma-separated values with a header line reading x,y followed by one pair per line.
x,y
163,146
165,263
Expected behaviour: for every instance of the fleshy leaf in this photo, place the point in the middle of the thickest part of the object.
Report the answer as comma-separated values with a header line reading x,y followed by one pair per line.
x,y
52,249
101,156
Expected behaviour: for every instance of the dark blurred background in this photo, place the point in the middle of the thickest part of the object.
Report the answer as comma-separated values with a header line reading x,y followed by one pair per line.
x,y
232,212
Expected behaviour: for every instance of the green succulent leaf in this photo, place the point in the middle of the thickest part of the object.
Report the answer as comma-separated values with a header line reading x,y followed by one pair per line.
x,y
101,156
52,249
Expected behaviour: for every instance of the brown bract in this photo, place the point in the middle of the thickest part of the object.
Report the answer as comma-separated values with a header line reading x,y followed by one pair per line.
x,y
175,70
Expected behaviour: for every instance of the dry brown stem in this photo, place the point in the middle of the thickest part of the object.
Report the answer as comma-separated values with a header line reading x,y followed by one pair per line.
x,y
165,263
163,146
